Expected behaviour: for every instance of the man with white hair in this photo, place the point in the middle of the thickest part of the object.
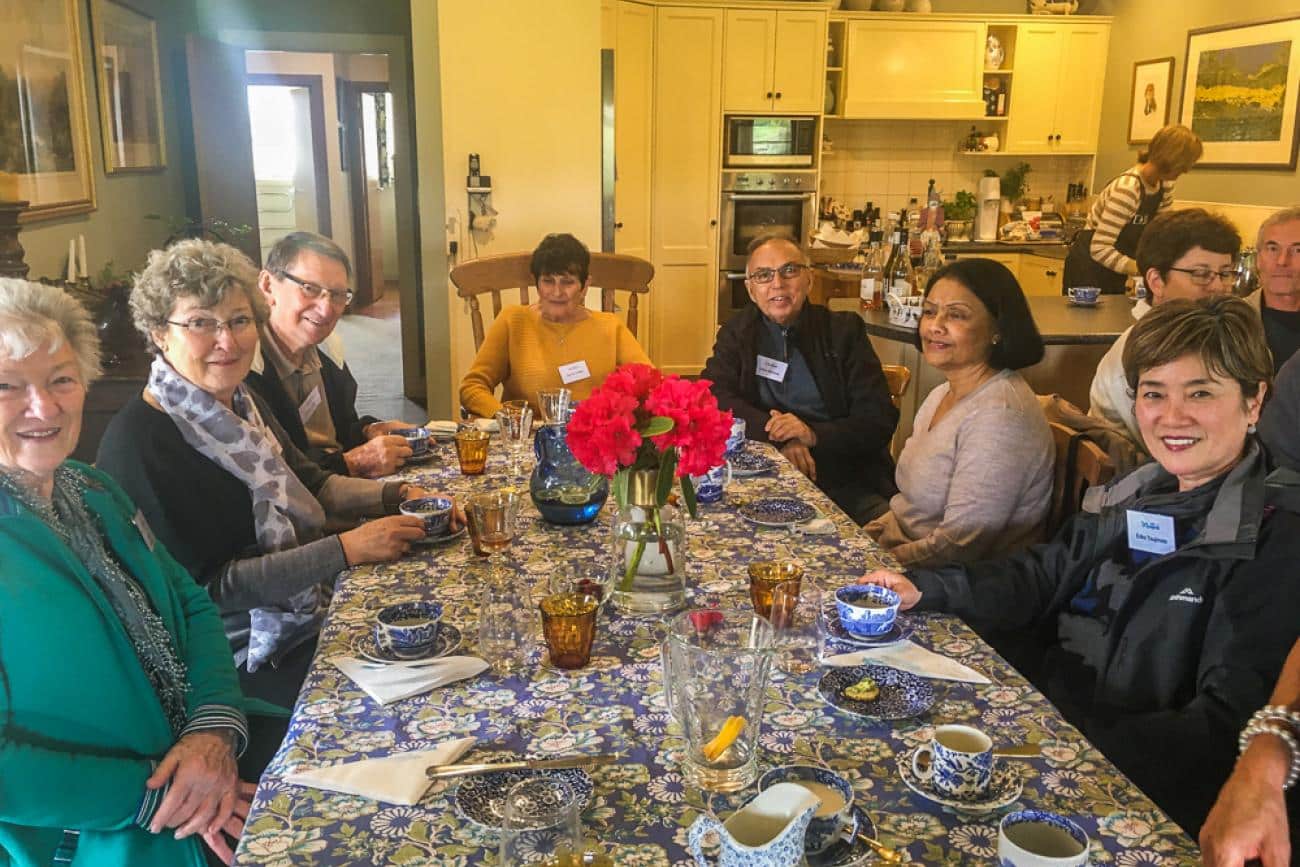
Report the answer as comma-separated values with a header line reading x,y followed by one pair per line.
x,y
1278,297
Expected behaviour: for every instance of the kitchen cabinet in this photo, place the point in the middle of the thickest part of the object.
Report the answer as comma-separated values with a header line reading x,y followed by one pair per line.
x,y
774,61
907,67
684,182
1056,95
633,26
1040,275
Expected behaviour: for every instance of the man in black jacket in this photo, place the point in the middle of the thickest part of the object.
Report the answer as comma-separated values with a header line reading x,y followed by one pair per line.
x,y
299,369
807,380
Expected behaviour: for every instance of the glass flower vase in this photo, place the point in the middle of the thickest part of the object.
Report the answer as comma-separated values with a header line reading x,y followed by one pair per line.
x,y
648,551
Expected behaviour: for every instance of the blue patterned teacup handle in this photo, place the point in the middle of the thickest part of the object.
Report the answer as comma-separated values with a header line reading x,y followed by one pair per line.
x,y
695,837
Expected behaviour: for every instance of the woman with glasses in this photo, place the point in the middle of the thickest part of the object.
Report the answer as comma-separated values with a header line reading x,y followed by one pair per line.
x,y
975,477
555,342
222,485
1187,253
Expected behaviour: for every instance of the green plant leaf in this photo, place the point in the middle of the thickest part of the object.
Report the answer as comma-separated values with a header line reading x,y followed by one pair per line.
x,y
667,467
654,426
620,488
688,494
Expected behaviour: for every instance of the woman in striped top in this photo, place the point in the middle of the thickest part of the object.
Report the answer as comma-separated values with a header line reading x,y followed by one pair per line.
x,y
1103,253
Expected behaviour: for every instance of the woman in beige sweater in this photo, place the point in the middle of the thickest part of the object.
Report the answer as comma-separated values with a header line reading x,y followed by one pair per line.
x,y
975,477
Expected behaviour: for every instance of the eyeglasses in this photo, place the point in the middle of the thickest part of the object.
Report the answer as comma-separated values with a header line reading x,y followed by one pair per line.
x,y
203,326
311,291
1205,276
788,271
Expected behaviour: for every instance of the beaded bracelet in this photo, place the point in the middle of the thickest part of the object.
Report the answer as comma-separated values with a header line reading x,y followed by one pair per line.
x,y
1271,727
1281,713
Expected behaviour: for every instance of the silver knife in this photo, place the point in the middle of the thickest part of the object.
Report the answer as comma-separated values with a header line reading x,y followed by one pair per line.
x,y
465,769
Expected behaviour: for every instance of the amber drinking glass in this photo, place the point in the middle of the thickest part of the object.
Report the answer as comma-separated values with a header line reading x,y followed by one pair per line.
x,y
569,627
765,576
493,517
472,451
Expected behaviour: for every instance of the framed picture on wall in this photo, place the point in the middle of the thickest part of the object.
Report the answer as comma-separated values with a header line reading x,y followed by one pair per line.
x,y
44,137
130,90
1153,86
1241,90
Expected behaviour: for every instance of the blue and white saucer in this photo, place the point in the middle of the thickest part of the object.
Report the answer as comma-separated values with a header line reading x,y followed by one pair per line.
x,y
902,694
482,798
745,463
900,631
443,539
777,511
448,640
1005,786
848,849
422,458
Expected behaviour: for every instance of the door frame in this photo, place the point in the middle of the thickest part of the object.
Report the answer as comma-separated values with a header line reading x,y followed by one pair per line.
x,y
320,162
354,146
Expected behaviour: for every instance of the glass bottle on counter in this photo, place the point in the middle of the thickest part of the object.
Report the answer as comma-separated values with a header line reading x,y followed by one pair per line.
x,y
872,285
902,281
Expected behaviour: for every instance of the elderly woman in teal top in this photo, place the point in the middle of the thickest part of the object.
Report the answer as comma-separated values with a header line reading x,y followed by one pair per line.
x,y
121,718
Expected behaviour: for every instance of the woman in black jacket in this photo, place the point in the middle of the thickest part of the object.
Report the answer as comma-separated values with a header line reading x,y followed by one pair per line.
x,y
1166,606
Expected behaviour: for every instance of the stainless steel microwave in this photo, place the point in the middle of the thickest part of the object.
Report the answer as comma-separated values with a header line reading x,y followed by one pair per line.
x,y
771,142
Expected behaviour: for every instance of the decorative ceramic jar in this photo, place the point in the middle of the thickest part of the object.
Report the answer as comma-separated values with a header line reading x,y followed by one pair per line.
x,y
994,53
648,550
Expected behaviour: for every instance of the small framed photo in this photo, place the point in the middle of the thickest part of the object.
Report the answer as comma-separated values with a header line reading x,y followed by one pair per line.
x,y
1153,85
130,89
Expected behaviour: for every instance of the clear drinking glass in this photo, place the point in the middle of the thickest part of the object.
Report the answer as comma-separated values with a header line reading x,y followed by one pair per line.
x,y
554,404
796,626
494,516
515,420
593,577
541,824
505,627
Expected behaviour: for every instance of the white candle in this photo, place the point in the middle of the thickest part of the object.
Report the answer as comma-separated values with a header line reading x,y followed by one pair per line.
x,y
72,261
85,266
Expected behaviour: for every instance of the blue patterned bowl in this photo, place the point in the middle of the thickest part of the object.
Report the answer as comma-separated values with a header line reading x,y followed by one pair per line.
x,y
408,630
866,609
827,825
434,511
416,437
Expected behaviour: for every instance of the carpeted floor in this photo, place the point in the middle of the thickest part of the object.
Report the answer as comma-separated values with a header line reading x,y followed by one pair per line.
x,y
372,342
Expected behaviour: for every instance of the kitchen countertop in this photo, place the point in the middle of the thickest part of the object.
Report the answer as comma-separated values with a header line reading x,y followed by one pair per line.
x,y
1051,249
1059,322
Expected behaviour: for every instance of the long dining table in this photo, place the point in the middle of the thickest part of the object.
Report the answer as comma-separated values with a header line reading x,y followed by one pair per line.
x,y
641,808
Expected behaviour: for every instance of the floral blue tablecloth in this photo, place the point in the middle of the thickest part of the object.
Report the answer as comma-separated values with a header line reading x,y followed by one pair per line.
x,y
641,809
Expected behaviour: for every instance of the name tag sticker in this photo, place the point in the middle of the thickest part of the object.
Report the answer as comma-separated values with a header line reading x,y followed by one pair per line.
x,y
1151,533
309,406
574,372
143,526
770,368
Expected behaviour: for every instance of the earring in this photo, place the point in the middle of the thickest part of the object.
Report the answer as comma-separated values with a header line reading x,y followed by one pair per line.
x,y
997,338
1250,428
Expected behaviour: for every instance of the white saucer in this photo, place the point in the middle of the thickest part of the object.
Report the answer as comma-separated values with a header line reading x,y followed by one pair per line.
x,y
1004,788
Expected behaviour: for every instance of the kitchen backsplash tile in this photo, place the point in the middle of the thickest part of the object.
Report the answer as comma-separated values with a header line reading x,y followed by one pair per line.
x,y
888,162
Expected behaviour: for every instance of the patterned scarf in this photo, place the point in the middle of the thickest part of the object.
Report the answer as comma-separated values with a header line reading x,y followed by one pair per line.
x,y
285,514
66,514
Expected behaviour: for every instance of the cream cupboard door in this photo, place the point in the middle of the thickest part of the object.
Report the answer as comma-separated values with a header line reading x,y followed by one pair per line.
x,y
633,104
1031,121
1041,275
747,65
1083,73
914,66
684,184
799,77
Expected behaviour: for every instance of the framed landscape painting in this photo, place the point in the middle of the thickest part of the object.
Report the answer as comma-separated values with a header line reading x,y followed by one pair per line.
x,y
1241,89
130,92
44,138
1153,85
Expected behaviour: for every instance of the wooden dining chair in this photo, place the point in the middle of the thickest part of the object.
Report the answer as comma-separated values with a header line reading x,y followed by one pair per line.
x,y
610,272
1080,465
897,376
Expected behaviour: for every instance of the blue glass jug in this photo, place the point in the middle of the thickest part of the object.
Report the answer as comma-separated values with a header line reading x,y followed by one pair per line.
x,y
562,489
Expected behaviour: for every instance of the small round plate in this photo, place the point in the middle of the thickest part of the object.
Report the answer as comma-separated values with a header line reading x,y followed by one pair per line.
x,y
1074,303
481,798
441,540
448,640
777,511
900,631
902,694
848,849
422,459
745,463
1004,787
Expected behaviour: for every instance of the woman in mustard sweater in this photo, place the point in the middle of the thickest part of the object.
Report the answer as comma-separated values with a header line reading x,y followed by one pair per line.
x,y
555,342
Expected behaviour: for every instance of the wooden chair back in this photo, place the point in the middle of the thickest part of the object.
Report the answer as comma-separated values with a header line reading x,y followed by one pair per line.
x,y
610,272
1080,465
897,376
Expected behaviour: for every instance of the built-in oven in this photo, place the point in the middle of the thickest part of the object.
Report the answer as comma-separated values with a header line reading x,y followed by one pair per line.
x,y
771,142
754,204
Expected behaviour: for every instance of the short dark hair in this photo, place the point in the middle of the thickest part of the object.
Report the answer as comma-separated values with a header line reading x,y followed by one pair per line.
x,y
561,254
765,238
1171,234
287,250
1019,344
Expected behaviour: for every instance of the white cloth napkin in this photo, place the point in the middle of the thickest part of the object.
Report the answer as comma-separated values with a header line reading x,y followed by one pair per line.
x,y
444,428
392,683
397,779
816,527
912,657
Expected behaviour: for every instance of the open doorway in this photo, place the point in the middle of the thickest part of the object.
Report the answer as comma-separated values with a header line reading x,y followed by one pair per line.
x,y
367,109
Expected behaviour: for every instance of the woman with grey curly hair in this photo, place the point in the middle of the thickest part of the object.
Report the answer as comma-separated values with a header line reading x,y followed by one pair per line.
x,y
223,485
80,570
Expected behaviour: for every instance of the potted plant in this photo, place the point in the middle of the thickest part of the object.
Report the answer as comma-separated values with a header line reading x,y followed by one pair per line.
x,y
1015,182
958,215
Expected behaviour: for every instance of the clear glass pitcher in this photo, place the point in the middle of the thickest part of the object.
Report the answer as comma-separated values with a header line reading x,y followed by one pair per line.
x,y
716,664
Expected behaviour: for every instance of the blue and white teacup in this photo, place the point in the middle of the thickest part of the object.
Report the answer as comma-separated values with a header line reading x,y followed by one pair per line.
x,y
434,511
834,814
1084,294
417,438
736,439
1038,838
408,630
709,487
867,609
961,762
